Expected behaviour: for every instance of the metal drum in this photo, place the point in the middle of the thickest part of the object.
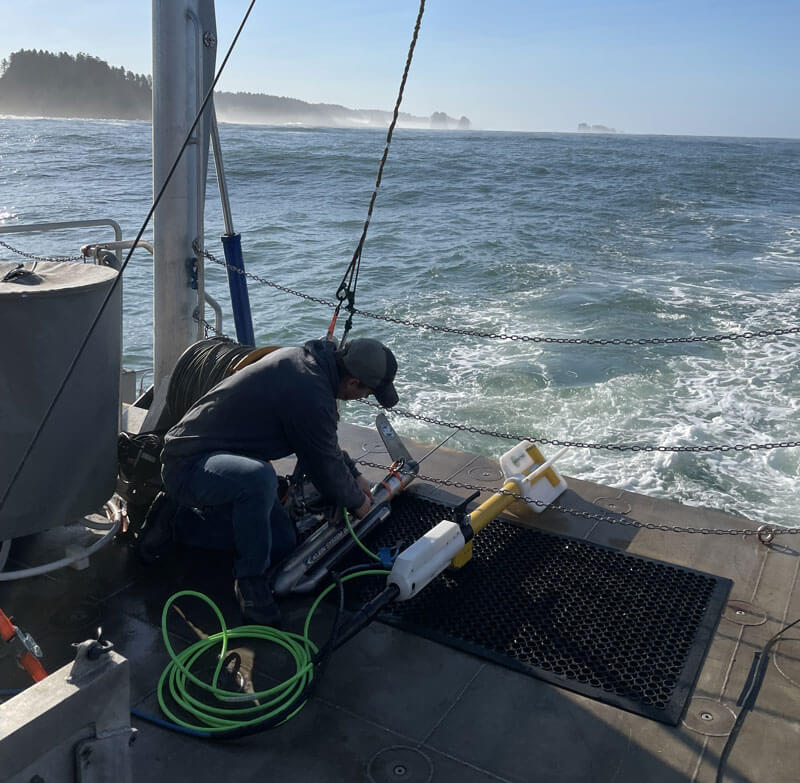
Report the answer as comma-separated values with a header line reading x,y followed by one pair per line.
x,y
45,313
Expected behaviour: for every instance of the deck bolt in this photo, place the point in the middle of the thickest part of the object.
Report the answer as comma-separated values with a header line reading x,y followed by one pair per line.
x,y
706,716
400,770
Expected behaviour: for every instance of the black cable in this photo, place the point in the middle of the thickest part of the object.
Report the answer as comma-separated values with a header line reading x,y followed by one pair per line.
x,y
323,655
113,288
749,698
320,661
366,614
200,367
347,288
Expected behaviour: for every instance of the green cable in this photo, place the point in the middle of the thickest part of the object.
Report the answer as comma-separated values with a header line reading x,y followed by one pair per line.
x,y
273,701
357,539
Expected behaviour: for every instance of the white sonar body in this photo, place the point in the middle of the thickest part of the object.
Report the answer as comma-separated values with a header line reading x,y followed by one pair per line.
x,y
524,468
419,564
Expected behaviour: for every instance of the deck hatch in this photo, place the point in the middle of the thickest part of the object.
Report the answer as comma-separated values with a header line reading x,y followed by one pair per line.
x,y
626,630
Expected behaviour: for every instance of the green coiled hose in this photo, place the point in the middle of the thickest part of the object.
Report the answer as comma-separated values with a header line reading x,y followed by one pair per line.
x,y
277,704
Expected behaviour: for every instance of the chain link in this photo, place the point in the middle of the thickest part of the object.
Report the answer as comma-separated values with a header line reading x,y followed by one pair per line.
x,y
616,519
523,338
644,448
209,329
60,259
277,287
599,446
765,533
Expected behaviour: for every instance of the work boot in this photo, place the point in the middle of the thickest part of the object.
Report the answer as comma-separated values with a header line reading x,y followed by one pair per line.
x,y
256,601
157,537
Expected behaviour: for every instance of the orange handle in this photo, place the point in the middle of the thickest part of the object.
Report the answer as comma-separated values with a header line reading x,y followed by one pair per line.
x,y
31,665
7,630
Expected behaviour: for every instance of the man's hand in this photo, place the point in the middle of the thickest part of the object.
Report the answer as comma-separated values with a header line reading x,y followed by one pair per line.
x,y
364,484
364,508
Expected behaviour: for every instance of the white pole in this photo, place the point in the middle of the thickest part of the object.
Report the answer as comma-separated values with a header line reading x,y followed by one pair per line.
x,y
175,226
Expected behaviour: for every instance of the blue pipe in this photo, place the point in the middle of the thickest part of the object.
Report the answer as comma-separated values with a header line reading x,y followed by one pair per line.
x,y
237,282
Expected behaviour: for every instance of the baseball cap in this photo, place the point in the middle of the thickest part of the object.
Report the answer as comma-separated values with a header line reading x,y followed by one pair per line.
x,y
374,365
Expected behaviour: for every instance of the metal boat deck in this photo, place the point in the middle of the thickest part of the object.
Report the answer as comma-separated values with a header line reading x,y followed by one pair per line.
x,y
396,707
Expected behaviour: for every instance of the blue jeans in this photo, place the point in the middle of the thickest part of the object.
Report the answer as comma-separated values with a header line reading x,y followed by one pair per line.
x,y
240,511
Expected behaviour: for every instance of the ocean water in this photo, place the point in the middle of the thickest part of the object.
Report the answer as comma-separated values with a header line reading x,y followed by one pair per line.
x,y
564,235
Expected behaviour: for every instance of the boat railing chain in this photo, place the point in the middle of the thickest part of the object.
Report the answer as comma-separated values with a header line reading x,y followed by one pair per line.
x,y
32,257
527,338
523,338
635,447
257,278
210,329
110,292
764,533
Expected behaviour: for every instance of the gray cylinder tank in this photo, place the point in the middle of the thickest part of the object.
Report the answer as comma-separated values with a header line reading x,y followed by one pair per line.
x,y
44,316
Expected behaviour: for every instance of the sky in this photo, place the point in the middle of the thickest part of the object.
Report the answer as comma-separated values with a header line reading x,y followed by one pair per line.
x,y
696,67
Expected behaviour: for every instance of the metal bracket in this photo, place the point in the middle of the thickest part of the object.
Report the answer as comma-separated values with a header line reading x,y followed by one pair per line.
x,y
90,657
105,757
462,518
191,268
29,643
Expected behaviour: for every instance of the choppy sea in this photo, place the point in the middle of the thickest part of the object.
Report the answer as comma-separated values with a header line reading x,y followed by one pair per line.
x,y
561,235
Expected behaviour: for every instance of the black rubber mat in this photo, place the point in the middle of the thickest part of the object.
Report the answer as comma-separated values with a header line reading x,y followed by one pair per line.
x,y
626,630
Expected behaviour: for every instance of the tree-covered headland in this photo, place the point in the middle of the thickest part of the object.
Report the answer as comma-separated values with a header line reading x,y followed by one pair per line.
x,y
43,84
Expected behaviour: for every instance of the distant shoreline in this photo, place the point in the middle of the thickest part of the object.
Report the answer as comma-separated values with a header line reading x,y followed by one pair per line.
x,y
222,121
44,84
618,134
407,122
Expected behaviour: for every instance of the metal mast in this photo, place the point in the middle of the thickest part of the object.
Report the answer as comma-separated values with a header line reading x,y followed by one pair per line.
x,y
184,51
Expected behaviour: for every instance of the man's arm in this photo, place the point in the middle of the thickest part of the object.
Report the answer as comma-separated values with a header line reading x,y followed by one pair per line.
x,y
311,429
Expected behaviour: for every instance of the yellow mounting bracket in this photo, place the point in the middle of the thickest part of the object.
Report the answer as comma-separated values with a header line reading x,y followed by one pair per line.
x,y
529,477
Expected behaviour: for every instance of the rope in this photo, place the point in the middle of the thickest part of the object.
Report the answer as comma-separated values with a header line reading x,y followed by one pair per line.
x,y
347,288
523,338
122,269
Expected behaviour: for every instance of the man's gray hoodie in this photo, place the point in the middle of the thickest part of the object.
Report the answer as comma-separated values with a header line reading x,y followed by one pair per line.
x,y
282,404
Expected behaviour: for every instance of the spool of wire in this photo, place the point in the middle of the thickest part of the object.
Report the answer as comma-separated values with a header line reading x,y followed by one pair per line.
x,y
201,366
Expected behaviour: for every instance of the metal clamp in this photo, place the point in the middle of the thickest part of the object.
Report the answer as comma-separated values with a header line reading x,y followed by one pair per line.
x,y
462,518
29,643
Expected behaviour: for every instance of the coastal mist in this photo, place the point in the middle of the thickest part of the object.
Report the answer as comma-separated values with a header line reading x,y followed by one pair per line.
x,y
577,236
